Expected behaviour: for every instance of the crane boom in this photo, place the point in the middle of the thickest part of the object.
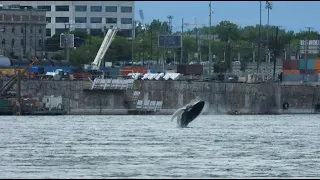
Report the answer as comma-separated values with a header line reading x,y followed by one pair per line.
x,y
104,47
13,80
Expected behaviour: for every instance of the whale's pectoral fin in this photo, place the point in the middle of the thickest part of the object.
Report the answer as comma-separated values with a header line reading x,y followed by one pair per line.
x,y
177,113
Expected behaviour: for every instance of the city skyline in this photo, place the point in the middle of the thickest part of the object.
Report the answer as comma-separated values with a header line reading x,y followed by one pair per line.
x,y
241,13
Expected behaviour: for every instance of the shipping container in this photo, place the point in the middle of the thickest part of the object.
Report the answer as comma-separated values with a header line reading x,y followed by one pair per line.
x,y
126,70
292,71
317,64
308,71
310,64
294,64
33,69
4,103
286,65
311,78
190,69
292,78
49,69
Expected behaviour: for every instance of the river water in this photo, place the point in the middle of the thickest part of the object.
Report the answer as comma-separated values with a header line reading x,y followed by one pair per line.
x,y
215,146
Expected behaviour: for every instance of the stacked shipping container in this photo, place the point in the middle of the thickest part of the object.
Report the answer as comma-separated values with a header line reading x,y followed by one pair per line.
x,y
190,69
301,70
128,69
291,70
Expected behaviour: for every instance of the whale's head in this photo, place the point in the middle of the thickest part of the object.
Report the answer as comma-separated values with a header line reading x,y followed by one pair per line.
x,y
196,109
188,113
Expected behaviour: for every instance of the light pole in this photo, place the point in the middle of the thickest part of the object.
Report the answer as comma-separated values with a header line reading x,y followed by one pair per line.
x,y
132,40
196,35
210,56
269,7
259,42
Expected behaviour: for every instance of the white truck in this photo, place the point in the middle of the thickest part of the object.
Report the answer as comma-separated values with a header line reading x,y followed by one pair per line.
x,y
52,102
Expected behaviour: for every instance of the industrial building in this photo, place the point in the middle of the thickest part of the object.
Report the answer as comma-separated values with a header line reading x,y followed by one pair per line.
x,y
92,16
22,32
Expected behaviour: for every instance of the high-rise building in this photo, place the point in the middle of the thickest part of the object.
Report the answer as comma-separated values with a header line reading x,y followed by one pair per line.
x,y
92,16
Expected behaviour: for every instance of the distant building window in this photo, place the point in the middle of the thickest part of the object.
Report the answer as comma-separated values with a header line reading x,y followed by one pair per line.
x,y
96,20
22,42
96,8
31,30
126,9
126,32
40,42
111,8
95,32
13,29
22,30
46,8
48,19
80,29
12,42
126,20
62,8
26,7
60,30
62,19
40,31
80,19
48,32
111,20
81,8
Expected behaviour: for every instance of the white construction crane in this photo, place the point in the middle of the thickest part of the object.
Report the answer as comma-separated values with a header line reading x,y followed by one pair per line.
x,y
111,34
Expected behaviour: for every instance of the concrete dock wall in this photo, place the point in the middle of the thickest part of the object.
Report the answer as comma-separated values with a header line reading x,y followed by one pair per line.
x,y
263,98
221,97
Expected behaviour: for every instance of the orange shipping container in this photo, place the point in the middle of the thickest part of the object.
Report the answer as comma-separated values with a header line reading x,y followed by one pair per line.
x,y
292,71
317,64
126,70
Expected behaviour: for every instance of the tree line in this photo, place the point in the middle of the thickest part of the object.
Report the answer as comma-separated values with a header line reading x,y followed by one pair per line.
x,y
234,43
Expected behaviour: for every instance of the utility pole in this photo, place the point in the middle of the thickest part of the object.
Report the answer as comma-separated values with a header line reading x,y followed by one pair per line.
x,y
268,7
132,40
25,39
275,54
307,50
210,55
181,55
35,42
65,40
197,39
228,50
259,42
151,37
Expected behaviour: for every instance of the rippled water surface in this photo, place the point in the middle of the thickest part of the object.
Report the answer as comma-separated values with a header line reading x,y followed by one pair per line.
x,y
217,146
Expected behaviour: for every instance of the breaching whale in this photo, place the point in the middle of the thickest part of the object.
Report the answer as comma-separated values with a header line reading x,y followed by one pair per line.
x,y
188,113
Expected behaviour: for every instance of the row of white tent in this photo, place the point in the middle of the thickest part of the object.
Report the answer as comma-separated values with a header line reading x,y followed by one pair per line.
x,y
121,84
148,105
156,76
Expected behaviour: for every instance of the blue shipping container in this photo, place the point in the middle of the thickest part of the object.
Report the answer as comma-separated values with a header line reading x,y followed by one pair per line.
x,y
292,77
33,69
310,64
301,77
311,78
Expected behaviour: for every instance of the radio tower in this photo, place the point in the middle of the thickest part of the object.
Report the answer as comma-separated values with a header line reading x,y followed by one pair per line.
x,y
170,23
